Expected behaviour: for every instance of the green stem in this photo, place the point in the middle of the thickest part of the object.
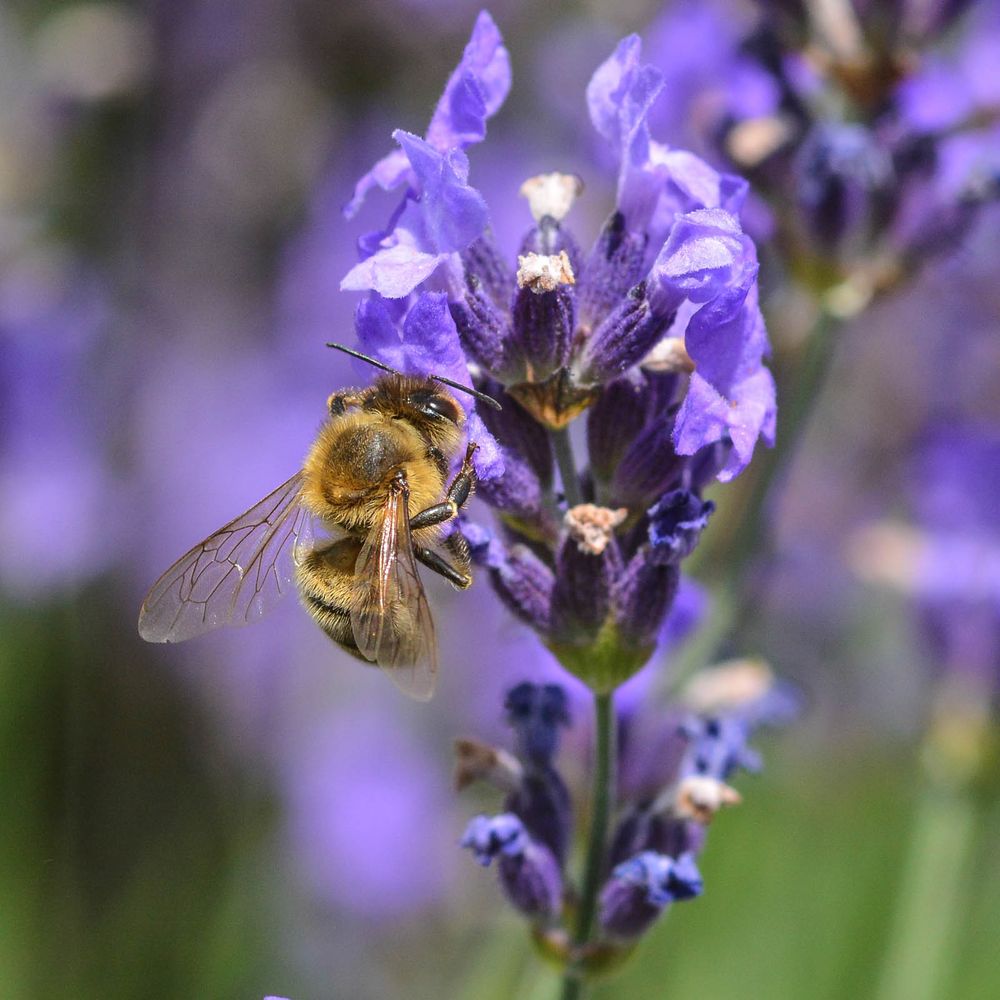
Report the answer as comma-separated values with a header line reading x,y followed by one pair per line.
x,y
600,821
567,466
933,894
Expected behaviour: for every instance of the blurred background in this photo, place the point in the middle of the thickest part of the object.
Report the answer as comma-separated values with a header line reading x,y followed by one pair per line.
x,y
252,813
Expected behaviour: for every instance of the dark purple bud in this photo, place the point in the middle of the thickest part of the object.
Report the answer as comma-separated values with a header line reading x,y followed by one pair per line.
x,y
543,804
541,800
544,316
527,452
587,565
650,830
535,712
484,330
613,422
613,266
642,597
624,337
528,872
676,522
524,584
641,888
484,261
650,465
517,492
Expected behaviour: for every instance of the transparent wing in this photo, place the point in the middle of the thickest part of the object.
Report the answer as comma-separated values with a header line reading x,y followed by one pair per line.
x,y
235,575
390,616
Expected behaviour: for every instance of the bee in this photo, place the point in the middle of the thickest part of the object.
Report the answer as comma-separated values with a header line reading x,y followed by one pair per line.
x,y
374,481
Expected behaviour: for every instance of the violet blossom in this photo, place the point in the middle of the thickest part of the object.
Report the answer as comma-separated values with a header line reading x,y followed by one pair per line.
x,y
654,338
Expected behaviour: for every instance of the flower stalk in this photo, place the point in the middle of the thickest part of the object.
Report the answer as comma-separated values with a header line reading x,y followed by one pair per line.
x,y
563,450
600,821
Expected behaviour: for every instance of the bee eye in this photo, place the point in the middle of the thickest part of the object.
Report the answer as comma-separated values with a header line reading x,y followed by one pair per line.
x,y
435,405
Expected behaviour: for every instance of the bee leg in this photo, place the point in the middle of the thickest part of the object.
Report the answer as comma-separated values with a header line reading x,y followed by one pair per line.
x,y
433,561
456,498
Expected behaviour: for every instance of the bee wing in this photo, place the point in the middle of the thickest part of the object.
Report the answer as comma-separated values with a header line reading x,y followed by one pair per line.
x,y
235,575
390,616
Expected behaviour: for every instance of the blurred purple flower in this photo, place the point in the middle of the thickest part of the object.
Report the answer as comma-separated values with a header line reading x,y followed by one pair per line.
x,y
364,835
60,499
888,143
955,484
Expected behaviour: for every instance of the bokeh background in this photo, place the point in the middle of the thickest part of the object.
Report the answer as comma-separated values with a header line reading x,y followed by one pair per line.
x,y
253,813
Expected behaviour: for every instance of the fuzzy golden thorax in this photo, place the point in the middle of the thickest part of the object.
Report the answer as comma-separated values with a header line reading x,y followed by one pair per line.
x,y
398,423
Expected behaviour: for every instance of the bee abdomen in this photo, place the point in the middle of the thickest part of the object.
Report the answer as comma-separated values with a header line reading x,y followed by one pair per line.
x,y
325,580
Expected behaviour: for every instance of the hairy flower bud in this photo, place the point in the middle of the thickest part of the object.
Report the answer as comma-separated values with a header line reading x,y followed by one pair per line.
x,y
641,888
527,870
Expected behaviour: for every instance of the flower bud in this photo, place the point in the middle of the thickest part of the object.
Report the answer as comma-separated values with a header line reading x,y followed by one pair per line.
x,y
483,329
524,583
484,261
641,888
613,422
535,712
544,318
613,266
624,337
527,870
586,567
676,522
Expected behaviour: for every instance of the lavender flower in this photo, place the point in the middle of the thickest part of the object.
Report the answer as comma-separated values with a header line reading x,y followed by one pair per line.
x,y
655,330
655,333
888,145
651,860
948,561
440,213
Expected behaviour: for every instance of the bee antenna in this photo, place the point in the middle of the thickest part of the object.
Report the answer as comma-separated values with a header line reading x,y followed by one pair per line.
x,y
364,357
475,393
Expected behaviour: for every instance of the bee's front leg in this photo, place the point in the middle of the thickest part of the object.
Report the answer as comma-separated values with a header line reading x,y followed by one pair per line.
x,y
441,566
455,499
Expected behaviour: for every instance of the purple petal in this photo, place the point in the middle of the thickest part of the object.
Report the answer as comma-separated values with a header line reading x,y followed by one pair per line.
x,y
475,90
488,460
607,88
392,272
454,214
431,342
705,253
707,416
387,174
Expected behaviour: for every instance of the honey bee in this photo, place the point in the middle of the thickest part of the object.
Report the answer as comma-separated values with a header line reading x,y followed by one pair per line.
x,y
383,452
